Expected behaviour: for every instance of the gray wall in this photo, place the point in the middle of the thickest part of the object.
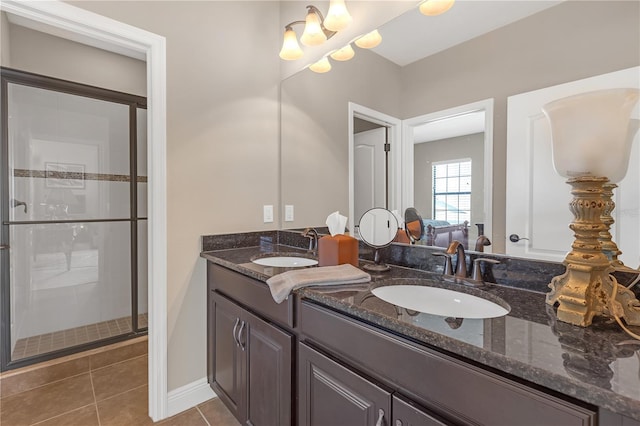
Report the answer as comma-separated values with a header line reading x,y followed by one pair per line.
x,y
45,54
314,140
427,153
4,41
537,52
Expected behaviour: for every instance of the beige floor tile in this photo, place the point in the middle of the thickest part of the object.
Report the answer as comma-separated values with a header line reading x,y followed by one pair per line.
x,y
118,378
47,401
23,381
126,409
190,417
217,414
85,416
119,354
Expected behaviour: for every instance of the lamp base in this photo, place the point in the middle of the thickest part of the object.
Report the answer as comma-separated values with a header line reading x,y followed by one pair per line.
x,y
586,289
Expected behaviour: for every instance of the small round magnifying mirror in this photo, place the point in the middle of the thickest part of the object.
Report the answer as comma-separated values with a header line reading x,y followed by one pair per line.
x,y
378,228
414,226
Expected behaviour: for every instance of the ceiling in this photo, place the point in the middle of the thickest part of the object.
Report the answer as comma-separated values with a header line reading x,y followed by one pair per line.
x,y
413,36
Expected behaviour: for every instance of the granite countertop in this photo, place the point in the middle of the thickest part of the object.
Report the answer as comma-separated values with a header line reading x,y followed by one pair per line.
x,y
599,364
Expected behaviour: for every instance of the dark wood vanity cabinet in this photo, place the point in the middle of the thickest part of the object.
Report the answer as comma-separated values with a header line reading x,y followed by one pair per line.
x,y
249,364
330,394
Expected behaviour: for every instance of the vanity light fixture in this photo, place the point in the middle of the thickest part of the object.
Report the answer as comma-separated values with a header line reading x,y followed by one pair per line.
x,y
591,136
322,66
435,7
370,40
317,29
343,54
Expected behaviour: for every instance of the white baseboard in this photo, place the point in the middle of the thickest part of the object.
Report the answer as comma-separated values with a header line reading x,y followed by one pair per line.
x,y
189,396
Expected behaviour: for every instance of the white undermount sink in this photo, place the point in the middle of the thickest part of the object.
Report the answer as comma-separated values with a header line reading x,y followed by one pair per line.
x,y
439,301
285,261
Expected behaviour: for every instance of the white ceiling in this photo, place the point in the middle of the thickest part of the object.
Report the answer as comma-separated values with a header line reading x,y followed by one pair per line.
x,y
413,36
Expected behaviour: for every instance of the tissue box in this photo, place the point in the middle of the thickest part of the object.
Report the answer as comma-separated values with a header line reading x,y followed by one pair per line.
x,y
337,250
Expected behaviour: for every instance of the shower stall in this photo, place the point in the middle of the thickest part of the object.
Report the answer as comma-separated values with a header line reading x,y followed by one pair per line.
x,y
74,217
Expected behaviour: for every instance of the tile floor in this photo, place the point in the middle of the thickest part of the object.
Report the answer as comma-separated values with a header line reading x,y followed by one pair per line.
x,y
104,388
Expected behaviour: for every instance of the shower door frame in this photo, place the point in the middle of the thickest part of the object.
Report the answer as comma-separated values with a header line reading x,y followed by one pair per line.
x,y
12,76
96,30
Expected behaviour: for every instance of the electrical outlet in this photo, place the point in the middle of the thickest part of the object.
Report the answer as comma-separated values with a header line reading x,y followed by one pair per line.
x,y
288,213
267,213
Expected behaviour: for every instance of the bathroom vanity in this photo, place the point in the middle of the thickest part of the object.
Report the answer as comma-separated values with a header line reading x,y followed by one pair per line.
x,y
329,356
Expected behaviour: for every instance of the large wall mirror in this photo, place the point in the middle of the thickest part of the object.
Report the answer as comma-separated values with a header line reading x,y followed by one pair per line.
x,y
556,43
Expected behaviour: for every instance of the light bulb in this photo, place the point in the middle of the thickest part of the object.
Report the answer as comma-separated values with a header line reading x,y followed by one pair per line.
x,y
338,17
313,34
290,47
435,7
343,54
370,40
322,66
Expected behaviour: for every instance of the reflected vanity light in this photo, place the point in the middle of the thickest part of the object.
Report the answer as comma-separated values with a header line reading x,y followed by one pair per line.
x,y
370,40
317,29
591,137
322,66
343,54
435,7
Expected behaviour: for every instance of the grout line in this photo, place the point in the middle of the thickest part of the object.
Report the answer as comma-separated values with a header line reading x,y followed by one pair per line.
x,y
121,393
119,362
202,414
45,384
95,400
60,415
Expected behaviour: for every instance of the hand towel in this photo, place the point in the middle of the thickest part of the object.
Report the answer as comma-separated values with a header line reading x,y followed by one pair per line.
x,y
283,284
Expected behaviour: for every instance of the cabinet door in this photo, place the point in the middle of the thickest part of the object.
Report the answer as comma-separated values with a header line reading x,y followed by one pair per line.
x,y
407,414
227,357
269,389
332,395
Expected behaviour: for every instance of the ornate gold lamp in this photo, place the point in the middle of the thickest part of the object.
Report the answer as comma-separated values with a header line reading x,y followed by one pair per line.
x,y
591,137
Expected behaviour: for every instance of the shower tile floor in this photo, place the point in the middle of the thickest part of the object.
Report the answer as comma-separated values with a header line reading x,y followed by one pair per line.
x,y
48,342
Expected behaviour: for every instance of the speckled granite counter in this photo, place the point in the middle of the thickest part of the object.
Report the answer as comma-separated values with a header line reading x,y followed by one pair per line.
x,y
599,365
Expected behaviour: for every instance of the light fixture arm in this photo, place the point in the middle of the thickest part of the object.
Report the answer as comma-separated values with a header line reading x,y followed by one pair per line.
x,y
314,9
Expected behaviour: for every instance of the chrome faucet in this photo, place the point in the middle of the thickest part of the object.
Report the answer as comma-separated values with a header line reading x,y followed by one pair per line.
x,y
457,248
312,235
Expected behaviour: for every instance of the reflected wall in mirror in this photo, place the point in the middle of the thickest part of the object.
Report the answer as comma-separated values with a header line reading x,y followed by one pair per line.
x,y
566,42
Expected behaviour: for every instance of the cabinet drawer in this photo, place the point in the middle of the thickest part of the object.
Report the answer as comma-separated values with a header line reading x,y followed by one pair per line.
x,y
251,293
450,387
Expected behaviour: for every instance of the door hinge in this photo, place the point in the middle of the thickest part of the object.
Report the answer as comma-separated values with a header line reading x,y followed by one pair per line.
x,y
387,147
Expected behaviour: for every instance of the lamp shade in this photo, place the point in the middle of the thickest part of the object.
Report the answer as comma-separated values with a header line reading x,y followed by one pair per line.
x,y
435,7
369,40
343,54
290,47
322,66
592,133
338,17
313,34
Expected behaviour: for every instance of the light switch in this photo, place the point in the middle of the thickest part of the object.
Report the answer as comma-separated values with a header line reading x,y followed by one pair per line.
x,y
288,213
267,213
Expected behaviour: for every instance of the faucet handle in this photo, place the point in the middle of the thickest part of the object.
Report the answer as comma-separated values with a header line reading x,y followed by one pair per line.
x,y
448,266
477,271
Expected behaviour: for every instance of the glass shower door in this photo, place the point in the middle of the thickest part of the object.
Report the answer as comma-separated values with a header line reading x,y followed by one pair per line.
x,y
72,229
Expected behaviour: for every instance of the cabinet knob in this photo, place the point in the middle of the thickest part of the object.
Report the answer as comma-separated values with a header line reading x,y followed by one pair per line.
x,y
380,421
4,247
398,422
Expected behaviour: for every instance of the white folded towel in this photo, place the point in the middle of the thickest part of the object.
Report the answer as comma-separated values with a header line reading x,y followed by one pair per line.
x,y
283,284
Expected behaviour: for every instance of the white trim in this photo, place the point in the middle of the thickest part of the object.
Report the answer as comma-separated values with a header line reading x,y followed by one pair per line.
x,y
95,29
395,166
407,154
189,396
